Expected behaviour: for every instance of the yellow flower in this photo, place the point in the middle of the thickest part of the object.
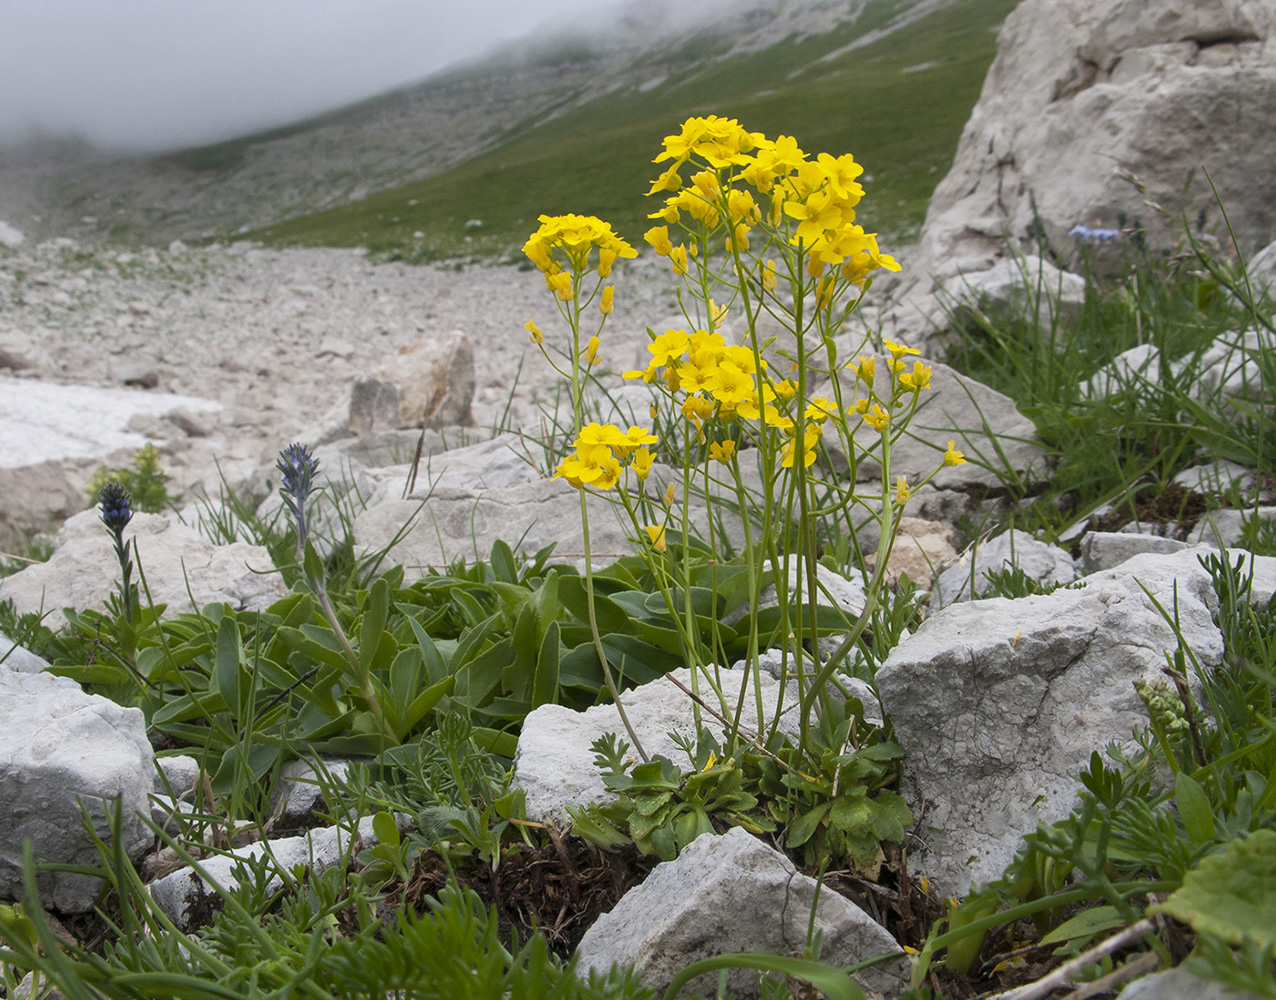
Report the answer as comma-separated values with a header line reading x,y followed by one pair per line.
x,y
729,384
820,409
877,418
824,293
643,459
785,389
768,276
536,336
697,408
606,257
810,445
658,237
902,492
670,493
668,181
678,257
916,380
595,435
717,314
591,352
899,350
596,467
669,347
605,306
722,452
865,369
952,456
653,408
561,285
657,535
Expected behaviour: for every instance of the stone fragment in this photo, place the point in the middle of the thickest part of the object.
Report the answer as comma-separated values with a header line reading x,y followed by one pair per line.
x,y
83,570
555,766
136,371
178,893
435,381
1106,549
59,749
1179,984
301,786
922,549
10,236
374,406
1226,528
733,893
998,703
1013,549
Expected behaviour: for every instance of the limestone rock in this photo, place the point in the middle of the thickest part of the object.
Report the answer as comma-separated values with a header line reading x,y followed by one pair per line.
x,y
16,658
1011,550
83,570
1179,984
733,893
434,379
954,408
1080,92
555,765
177,893
1226,528
1105,549
998,703
60,747
923,548
1015,288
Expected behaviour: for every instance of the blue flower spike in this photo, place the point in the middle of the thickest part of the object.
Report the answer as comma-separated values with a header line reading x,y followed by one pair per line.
x,y
116,509
298,467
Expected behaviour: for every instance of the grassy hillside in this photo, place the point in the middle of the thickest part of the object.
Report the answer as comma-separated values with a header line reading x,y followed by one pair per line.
x,y
898,103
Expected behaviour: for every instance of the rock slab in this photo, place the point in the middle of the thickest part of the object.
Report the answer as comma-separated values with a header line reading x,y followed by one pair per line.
x,y
733,893
59,749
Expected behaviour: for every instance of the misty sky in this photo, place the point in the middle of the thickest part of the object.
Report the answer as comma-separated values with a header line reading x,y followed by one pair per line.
x,y
156,73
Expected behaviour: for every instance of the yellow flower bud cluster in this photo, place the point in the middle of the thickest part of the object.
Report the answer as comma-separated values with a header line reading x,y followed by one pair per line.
x,y
562,246
603,451
809,202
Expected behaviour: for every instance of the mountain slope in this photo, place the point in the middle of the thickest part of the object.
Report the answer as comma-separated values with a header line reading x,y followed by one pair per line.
x,y
571,125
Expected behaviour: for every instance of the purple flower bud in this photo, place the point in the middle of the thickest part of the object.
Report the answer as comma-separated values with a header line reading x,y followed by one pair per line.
x,y
116,507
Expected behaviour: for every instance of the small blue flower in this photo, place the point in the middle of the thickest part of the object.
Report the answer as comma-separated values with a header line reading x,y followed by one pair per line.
x,y
1094,235
116,507
298,467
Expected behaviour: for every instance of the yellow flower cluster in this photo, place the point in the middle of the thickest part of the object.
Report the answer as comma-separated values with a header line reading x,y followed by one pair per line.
x,y
811,201
600,451
562,246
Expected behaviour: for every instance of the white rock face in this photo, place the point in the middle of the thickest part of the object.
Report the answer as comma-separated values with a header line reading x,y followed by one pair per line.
x,y
60,747
555,765
435,381
41,421
1012,549
1084,89
10,236
998,703
83,570
733,893
1102,550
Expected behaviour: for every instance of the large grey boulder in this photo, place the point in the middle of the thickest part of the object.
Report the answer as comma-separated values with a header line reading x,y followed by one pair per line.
x,y
998,703
1013,549
178,564
61,749
1107,549
733,893
555,766
1082,91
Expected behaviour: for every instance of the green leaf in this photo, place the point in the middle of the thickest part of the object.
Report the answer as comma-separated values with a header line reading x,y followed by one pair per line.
x,y
833,983
1194,809
386,829
609,615
229,655
1086,924
502,562
1231,894
803,828
545,685
375,611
